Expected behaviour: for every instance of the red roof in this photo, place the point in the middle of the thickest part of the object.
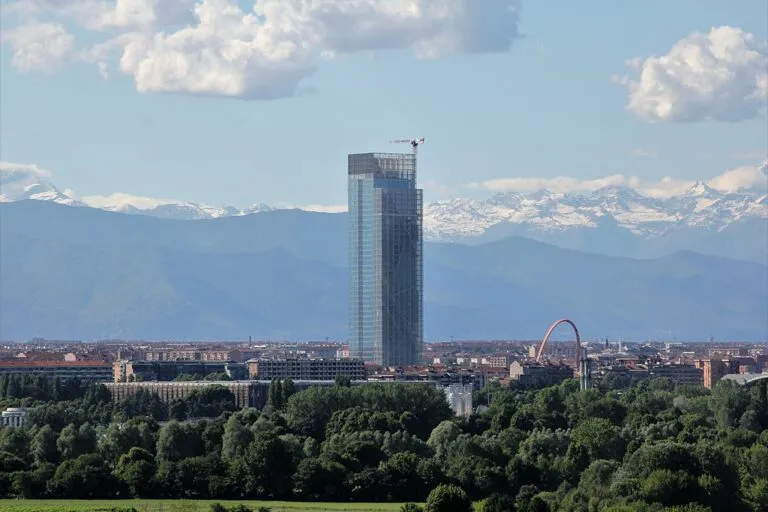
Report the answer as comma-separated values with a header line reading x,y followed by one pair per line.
x,y
53,364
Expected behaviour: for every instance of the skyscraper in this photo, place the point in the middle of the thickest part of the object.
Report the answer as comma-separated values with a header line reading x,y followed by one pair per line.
x,y
385,259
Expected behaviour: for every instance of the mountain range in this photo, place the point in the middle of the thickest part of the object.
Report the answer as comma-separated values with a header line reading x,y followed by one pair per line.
x,y
614,220
70,272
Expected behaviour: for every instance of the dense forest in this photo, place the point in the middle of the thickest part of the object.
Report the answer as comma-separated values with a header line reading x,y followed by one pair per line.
x,y
650,447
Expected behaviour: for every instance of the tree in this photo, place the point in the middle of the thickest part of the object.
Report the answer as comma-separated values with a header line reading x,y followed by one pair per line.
x,y
73,442
499,503
15,441
43,446
343,381
443,434
600,438
136,469
83,477
289,389
235,440
448,498
176,441
319,479
669,487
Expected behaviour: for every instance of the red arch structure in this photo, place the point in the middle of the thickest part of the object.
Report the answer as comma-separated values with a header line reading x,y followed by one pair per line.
x,y
549,333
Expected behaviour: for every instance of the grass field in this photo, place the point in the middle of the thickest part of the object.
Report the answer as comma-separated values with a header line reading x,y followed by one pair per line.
x,y
186,506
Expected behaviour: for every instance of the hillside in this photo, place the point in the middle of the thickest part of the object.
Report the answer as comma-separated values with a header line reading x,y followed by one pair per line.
x,y
613,220
84,273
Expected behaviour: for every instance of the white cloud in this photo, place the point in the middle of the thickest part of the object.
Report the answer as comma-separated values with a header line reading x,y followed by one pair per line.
x,y
120,200
266,52
721,75
556,184
109,14
437,190
39,46
324,208
747,177
10,171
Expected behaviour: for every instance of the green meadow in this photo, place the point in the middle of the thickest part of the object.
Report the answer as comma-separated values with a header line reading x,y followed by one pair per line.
x,y
185,506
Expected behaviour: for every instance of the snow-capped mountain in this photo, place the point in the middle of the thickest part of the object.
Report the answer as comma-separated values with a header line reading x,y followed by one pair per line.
x,y
179,210
20,182
542,212
168,208
545,211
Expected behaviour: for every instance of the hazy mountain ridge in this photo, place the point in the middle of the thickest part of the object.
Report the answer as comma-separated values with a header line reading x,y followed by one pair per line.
x,y
605,217
86,273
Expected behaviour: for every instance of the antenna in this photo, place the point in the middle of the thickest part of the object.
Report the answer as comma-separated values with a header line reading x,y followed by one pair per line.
x,y
415,143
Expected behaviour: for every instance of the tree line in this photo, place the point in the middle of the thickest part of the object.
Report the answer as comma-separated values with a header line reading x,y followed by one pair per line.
x,y
652,447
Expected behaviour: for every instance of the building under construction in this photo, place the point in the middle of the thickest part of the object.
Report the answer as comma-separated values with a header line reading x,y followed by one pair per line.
x,y
385,258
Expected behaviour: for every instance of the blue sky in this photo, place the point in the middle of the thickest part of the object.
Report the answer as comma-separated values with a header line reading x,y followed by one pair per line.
x,y
553,103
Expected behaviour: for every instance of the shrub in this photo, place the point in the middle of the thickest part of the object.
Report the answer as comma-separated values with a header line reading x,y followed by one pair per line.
x,y
218,507
411,507
499,503
448,498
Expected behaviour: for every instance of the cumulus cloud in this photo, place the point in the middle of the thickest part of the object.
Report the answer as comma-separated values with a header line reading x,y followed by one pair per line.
x,y
266,52
120,200
556,184
746,177
721,76
12,170
108,14
743,178
39,46
324,208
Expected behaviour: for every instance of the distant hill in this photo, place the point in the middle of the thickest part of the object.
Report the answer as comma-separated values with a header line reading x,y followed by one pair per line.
x,y
613,220
77,272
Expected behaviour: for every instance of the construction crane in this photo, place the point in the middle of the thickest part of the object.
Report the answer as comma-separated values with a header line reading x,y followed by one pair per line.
x,y
415,143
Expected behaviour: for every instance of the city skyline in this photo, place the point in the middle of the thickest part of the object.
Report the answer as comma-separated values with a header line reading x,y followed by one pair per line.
x,y
621,107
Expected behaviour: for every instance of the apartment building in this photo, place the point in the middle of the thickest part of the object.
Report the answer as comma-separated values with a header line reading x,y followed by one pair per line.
x,y
180,354
83,370
539,374
679,373
306,369
714,369
126,371
243,391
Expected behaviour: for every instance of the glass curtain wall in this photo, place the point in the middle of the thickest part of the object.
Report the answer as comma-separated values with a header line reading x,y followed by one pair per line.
x,y
385,259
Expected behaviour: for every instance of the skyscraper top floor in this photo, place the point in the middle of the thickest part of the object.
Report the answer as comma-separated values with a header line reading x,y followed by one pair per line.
x,y
383,166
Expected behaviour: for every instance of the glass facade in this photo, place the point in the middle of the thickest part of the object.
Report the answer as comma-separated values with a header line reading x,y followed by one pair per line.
x,y
385,259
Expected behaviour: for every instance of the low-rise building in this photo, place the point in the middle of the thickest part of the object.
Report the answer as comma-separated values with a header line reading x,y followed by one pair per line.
x,y
438,376
532,374
181,354
126,371
713,370
499,361
306,369
243,391
249,393
83,370
13,417
679,373
727,351
459,397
